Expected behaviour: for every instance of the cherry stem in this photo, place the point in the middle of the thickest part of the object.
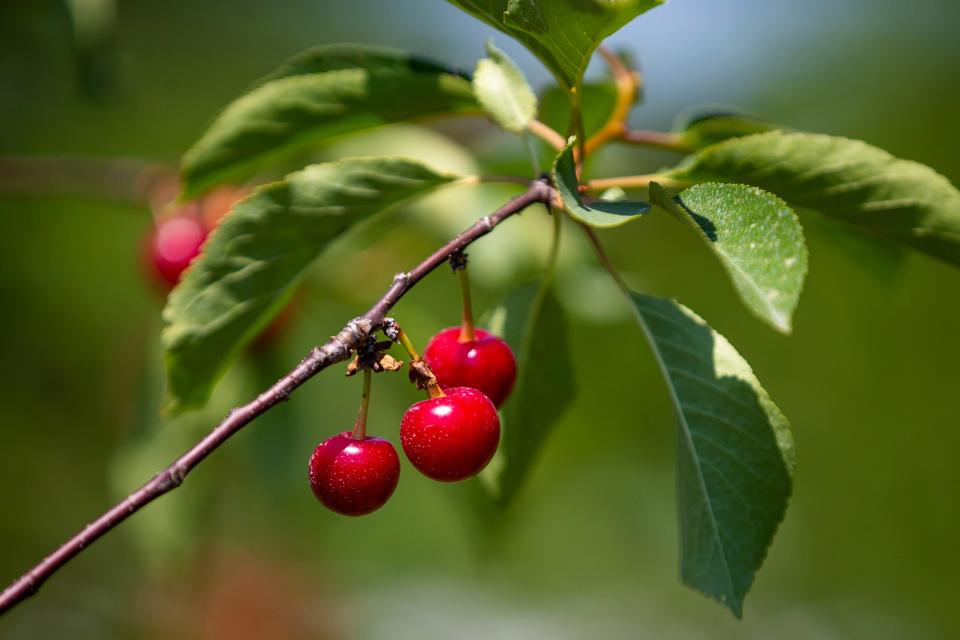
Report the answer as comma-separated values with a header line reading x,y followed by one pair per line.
x,y
360,426
407,344
467,333
434,390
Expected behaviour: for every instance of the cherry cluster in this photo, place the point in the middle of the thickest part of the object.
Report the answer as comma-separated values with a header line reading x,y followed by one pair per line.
x,y
450,436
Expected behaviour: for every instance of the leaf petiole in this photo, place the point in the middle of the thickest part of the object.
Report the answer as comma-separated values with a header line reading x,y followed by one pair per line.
x,y
628,84
635,182
547,133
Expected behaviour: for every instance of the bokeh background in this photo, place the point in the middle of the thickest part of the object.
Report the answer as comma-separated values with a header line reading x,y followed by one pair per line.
x,y
869,378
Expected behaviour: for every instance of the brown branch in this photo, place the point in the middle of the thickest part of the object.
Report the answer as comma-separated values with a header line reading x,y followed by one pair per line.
x,y
123,179
337,349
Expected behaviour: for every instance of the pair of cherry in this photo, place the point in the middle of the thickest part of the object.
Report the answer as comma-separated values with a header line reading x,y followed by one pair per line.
x,y
448,437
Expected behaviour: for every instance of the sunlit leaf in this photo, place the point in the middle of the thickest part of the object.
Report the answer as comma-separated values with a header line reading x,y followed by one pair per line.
x,y
757,238
735,452
503,91
327,92
845,179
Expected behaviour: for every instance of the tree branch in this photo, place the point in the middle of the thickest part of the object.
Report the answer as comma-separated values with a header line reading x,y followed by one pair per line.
x,y
124,179
337,349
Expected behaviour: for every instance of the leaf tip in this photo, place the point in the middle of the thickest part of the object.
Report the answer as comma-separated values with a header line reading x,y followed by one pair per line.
x,y
783,324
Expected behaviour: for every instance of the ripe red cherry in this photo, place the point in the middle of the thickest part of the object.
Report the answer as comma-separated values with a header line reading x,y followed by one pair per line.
x,y
485,363
353,476
173,245
452,437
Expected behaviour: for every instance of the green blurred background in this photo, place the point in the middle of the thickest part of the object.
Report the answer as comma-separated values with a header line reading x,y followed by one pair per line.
x,y
869,379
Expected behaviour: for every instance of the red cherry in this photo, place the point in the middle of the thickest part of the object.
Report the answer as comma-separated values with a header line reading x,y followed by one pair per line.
x,y
453,437
173,245
353,476
485,363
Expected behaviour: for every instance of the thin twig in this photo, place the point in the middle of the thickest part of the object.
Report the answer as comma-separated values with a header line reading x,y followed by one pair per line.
x,y
547,134
337,349
124,179
656,139
631,182
577,129
604,259
627,83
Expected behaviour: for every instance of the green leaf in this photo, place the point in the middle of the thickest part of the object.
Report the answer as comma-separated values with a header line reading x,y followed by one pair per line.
x,y
534,322
562,33
600,214
845,179
503,90
256,256
708,129
735,452
327,92
757,238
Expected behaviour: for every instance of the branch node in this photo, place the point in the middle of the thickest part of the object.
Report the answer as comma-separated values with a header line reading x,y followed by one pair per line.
x,y
391,329
353,335
373,356
458,259
176,476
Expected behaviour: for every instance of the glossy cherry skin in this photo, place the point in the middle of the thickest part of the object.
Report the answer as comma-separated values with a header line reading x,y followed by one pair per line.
x,y
173,245
354,477
451,438
486,363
